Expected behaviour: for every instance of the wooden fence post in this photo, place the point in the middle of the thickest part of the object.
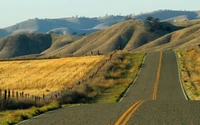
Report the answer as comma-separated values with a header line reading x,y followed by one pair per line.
x,y
43,96
22,94
8,94
13,94
17,95
0,93
5,94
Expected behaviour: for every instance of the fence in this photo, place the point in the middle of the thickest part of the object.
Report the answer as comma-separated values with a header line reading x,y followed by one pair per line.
x,y
7,95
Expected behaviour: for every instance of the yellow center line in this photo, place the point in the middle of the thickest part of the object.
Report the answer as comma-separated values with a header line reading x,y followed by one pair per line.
x,y
129,112
157,78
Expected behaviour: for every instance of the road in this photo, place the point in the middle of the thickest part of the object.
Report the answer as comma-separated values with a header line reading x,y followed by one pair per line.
x,y
159,89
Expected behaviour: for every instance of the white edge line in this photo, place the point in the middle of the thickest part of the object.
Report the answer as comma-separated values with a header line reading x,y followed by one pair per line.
x,y
184,92
134,79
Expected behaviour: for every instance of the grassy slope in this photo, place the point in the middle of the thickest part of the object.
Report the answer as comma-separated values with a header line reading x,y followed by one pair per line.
x,y
126,35
32,43
114,78
38,76
178,40
190,72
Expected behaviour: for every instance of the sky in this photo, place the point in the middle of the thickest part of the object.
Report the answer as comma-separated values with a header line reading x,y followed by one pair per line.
x,y
15,11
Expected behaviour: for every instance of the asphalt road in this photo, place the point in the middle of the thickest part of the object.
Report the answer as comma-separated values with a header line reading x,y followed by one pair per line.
x,y
169,85
170,106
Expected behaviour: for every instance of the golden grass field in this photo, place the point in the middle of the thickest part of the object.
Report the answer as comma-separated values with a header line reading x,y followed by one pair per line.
x,y
190,72
44,76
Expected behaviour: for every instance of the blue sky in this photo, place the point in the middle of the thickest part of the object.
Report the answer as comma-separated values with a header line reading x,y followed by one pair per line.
x,y
15,11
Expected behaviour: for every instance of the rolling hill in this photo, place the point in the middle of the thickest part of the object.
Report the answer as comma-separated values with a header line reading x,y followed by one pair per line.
x,y
131,35
179,40
84,25
126,35
31,43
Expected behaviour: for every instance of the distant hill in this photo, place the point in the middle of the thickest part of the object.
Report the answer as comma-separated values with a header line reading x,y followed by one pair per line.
x,y
171,15
85,25
3,33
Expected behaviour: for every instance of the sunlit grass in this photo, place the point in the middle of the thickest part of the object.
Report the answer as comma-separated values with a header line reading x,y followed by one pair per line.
x,y
13,116
44,76
190,72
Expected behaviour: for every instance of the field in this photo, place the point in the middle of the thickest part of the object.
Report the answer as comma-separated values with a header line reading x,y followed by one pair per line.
x,y
44,76
190,72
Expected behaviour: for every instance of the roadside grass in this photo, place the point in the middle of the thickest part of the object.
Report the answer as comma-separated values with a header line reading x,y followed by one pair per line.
x,y
38,77
189,61
115,77
11,117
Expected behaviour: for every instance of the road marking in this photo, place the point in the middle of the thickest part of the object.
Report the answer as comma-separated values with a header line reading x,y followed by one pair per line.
x,y
157,78
134,79
179,75
128,113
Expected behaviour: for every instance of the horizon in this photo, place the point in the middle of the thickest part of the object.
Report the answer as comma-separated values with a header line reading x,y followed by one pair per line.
x,y
26,10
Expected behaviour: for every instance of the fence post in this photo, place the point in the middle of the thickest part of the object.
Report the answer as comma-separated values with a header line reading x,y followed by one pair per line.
x,y
22,94
8,94
43,96
5,94
17,95
0,92
13,94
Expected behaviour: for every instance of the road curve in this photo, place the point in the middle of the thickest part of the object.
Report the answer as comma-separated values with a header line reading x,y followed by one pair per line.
x,y
170,106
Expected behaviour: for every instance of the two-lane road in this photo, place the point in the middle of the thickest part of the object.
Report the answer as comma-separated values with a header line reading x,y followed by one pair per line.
x,y
136,108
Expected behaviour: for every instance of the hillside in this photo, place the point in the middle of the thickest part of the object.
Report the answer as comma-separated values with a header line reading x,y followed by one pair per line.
x,y
126,35
3,33
131,35
178,40
170,15
64,25
85,25
31,43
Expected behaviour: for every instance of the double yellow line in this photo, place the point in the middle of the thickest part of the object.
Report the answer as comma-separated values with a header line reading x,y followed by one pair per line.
x,y
123,120
157,78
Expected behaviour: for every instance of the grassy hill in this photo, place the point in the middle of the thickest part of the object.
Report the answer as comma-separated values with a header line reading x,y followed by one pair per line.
x,y
127,35
131,35
178,40
32,43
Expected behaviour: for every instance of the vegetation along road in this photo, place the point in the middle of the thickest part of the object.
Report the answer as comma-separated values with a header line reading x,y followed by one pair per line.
x,y
154,98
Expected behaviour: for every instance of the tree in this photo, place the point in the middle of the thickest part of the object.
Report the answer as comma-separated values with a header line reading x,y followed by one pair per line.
x,y
128,17
149,18
74,33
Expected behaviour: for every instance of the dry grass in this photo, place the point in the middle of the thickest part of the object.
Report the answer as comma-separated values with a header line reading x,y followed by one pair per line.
x,y
11,117
115,77
190,71
44,76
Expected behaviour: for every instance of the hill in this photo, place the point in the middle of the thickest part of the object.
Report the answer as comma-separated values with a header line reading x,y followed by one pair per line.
x,y
178,40
126,35
84,25
170,15
131,35
31,43
3,33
